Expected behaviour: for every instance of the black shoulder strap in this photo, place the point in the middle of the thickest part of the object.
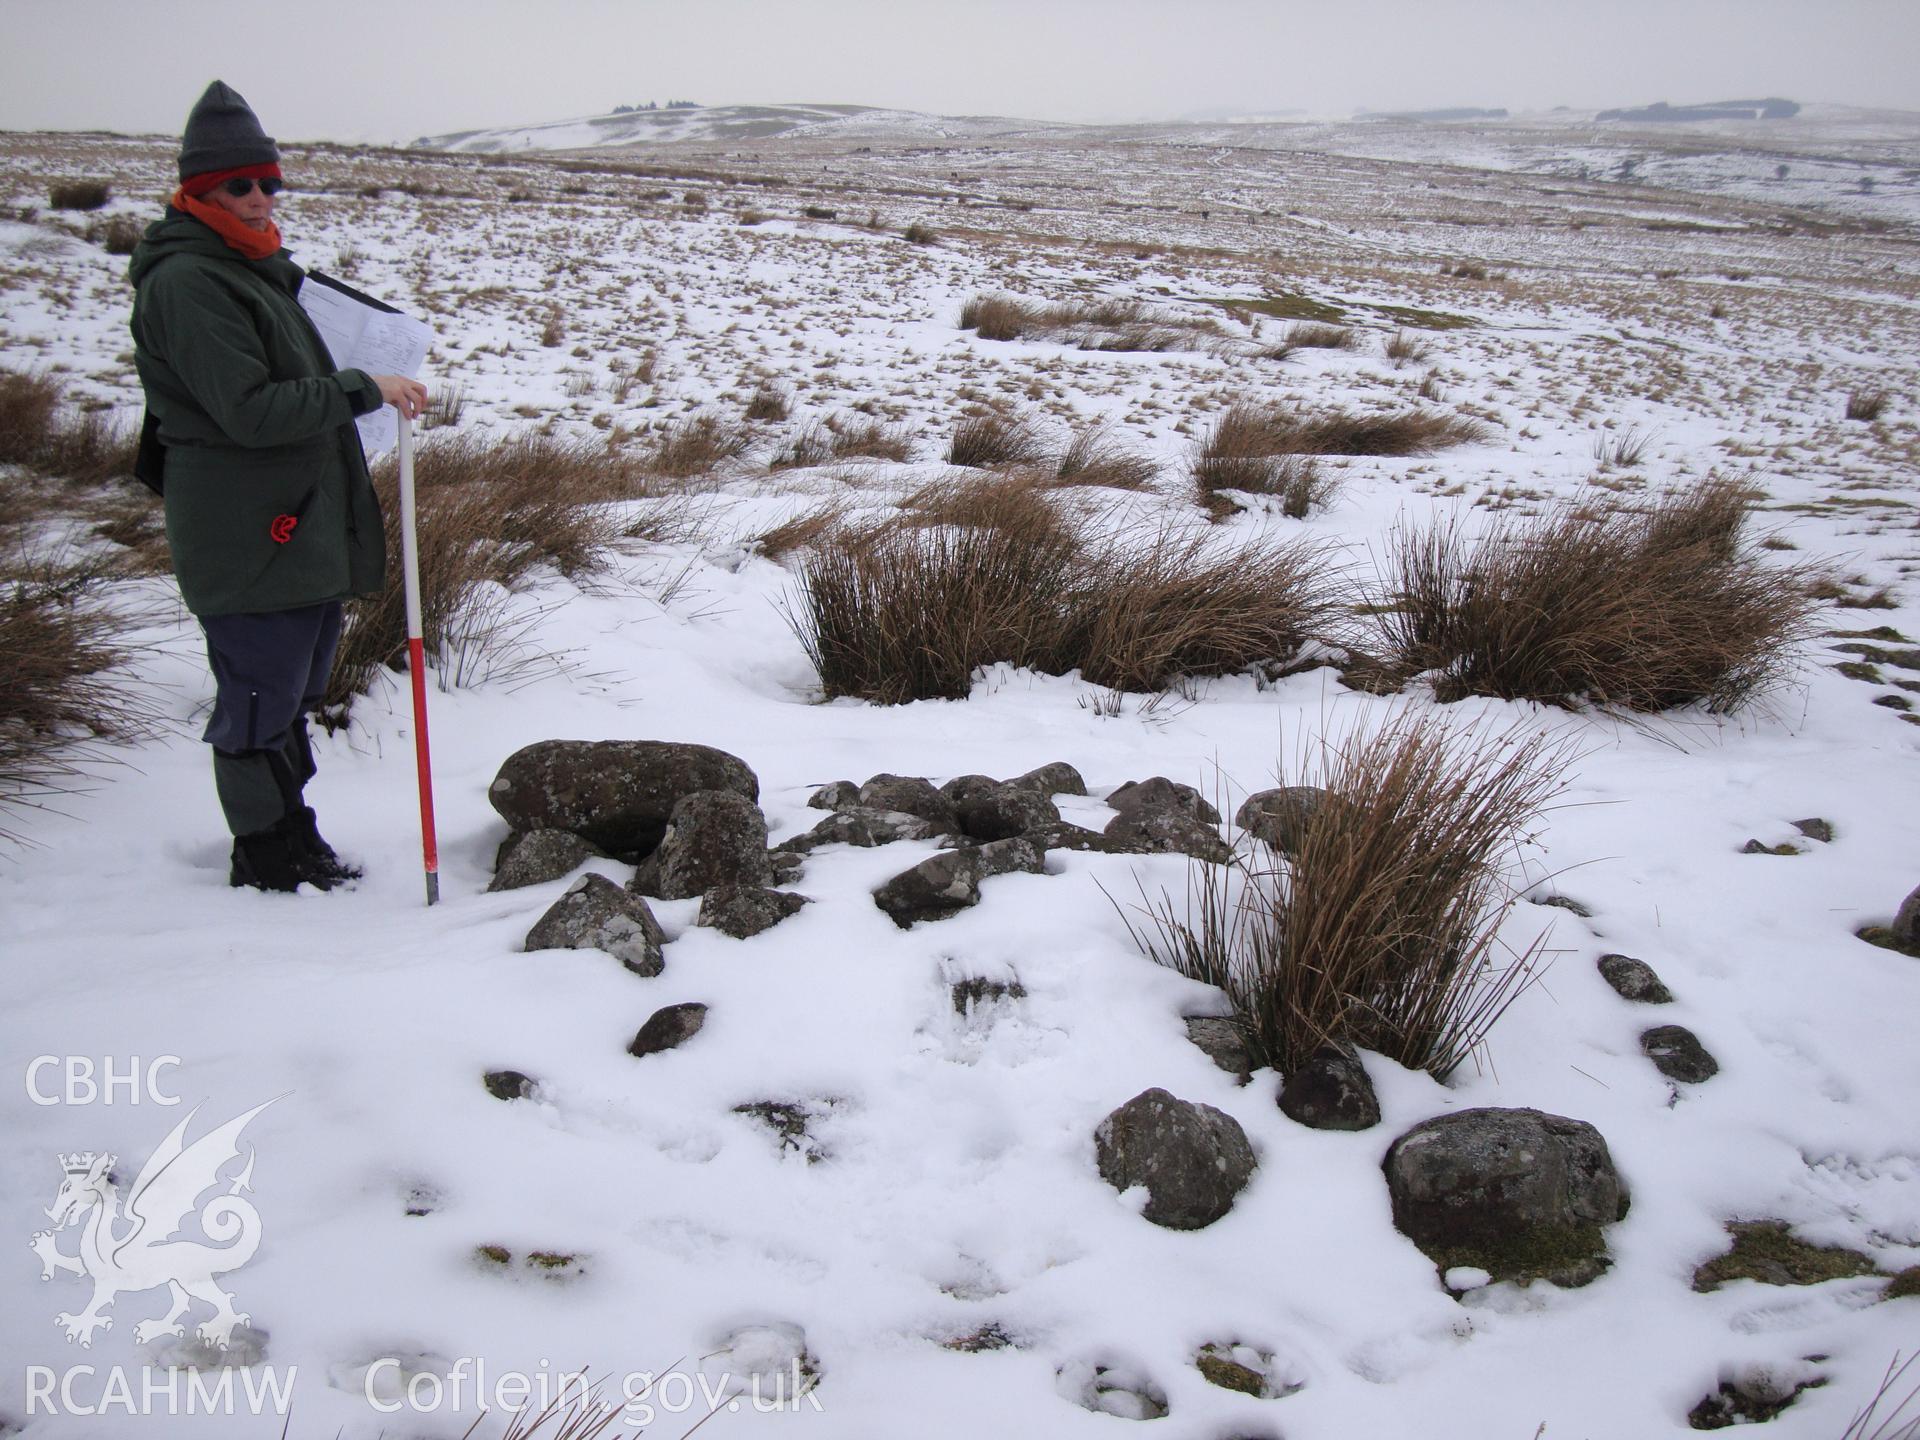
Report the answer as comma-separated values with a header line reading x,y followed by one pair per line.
x,y
150,460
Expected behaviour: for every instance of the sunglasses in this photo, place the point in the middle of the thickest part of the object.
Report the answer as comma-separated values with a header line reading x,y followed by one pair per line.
x,y
240,189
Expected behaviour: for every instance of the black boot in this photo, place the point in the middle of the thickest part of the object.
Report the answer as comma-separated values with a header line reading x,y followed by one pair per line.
x,y
314,855
270,860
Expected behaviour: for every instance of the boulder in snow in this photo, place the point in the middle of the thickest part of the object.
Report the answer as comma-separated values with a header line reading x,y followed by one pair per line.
x,y
668,1028
1330,1091
618,794
533,857
1192,1159
947,883
713,837
743,911
596,914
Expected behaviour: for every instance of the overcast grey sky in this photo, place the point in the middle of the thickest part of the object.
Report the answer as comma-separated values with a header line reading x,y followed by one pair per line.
x,y
389,71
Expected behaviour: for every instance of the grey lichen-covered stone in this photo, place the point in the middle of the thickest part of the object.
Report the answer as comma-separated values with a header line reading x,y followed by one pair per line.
x,y
510,1085
911,794
713,837
835,795
1815,829
786,866
976,991
963,788
668,1029
1192,1159
1169,832
1677,1053
744,911
1330,1090
596,914
1280,817
1005,811
947,883
1064,835
1518,1193
618,794
1224,1039
1162,795
1906,924
1056,777
533,857
865,827
1634,980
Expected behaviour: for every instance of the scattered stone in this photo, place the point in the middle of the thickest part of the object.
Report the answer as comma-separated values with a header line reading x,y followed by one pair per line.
x,y
668,1028
1906,924
1111,1390
744,911
1751,1399
618,794
1224,1039
1520,1194
1170,832
978,990
1677,1053
947,883
509,1085
1280,817
1562,902
1884,937
1192,1159
790,1121
1331,1091
1160,794
785,865
837,795
911,794
714,837
596,914
1248,1370
1634,980
864,827
1064,835
1005,811
1767,1251
963,788
1755,847
533,857
990,1336
1054,778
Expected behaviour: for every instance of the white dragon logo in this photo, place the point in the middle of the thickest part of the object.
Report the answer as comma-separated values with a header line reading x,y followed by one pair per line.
x,y
128,1253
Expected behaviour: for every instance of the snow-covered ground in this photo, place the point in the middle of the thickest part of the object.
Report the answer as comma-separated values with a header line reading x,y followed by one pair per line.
x,y
958,1190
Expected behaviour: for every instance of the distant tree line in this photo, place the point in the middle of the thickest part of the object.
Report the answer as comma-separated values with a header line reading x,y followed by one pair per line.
x,y
656,105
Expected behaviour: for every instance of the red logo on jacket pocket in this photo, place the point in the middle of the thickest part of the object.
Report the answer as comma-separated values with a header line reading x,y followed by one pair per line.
x,y
282,528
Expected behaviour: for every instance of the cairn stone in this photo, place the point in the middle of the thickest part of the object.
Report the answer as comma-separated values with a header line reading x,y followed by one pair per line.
x,y
1518,1193
596,914
1168,832
864,827
911,794
617,794
963,788
947,883
1056,777
1224,1040
1005,811
1331,1091
1677,1053
714,837
744,911
1064,835
1906,924
509,1085
1193,1159
1634,980
1281,817
533,857
668,1029
837,795
1161,795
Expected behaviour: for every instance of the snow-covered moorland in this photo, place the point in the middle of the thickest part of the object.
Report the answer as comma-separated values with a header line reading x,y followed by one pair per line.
x,y
941,1248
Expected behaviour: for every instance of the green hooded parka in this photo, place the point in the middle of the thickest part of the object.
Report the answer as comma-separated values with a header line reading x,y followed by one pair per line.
x,y
257,425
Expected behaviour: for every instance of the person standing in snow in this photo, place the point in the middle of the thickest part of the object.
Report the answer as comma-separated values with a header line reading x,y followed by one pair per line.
x,y
271,515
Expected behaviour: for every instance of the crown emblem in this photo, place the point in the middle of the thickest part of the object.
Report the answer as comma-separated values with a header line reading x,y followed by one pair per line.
x,y
81,1162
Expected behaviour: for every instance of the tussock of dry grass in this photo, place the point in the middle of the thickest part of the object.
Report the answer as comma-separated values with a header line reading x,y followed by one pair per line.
x,y
1381,930
801,531
39,431
842,438
488,514
1095,457
1312,335
997,437
697,446
988,572
78,194
1642,611
59,641
1102,324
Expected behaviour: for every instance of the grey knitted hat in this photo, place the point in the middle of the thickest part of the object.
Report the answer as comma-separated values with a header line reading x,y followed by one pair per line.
x,y
223,133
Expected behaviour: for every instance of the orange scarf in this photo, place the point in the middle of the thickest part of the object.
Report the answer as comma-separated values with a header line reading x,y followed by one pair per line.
x,y
254,244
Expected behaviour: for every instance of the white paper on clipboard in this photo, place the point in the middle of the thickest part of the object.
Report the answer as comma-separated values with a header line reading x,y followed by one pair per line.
x,y
363,333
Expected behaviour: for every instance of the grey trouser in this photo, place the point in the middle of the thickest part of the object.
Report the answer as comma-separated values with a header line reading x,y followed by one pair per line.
x,y
269,671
